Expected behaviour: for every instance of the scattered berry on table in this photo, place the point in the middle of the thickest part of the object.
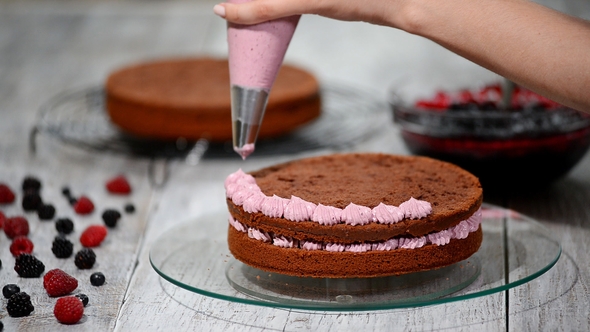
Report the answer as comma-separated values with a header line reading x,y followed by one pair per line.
x,y
85,258
10,289
93,235
72,201
1,326
19,305
28,266
2,219
97,279
31,183
66,192
110,217
83,205
83,298
64,225
6,194
118,185
129,208
62,247
15,226
31,201
21,245
68,310
0,263
58,283
46,211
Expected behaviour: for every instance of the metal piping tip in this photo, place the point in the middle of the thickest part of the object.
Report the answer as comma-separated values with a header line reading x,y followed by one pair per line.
x,y
247,111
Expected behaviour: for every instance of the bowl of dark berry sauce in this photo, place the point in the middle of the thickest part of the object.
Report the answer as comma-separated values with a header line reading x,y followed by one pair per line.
x,y
529,143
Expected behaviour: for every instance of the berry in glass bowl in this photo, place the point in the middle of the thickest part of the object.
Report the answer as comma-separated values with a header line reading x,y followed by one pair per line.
x,y
526,144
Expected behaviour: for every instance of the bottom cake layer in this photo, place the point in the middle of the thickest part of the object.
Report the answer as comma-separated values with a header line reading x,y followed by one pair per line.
x,y
326,264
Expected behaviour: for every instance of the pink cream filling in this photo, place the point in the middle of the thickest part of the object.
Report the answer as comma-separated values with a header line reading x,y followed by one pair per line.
x,y
242,189
460,231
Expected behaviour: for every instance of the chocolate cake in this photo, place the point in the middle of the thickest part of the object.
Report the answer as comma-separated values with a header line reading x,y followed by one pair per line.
x,y
190,98
354,215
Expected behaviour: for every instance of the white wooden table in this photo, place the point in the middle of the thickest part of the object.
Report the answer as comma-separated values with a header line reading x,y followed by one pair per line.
x,y
47,47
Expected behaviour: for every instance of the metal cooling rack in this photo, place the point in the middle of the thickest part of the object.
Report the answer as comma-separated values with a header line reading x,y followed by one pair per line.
x,y
79,118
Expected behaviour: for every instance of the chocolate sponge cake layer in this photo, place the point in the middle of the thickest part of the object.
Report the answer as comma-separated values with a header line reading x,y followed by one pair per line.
x,y
324,264
190,98
366,179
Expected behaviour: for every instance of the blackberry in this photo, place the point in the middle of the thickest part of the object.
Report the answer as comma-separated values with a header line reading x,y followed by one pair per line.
x,y
129,208
97,279
10,289
0,263
28,266
62,247
83,298
46,211
31,201
64,225
66,192
85,258
110,217
1,326
31,183
72,201
19,305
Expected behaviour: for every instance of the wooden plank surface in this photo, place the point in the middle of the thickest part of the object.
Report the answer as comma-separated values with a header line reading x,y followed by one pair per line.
x,y
47,47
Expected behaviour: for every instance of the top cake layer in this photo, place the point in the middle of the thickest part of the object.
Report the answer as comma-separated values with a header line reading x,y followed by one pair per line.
x,y
371,179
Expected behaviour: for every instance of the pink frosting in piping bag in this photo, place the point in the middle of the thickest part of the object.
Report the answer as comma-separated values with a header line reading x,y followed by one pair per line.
x,y
256,51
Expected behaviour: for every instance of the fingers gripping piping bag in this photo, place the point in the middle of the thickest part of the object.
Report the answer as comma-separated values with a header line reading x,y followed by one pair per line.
x,y
256,53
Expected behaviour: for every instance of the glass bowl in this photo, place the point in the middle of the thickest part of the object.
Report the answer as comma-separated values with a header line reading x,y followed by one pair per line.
x,y
527,144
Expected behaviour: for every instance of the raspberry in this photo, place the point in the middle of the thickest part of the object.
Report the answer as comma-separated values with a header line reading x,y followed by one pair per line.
x,y
97,279
68,310
85,258
62,247
110,217
28,266
46,212
129,208
57,283
83,298
21,245
19,305
2,219
6,194
16,226
31,183
118,185
93,236
83,205
31,201
64,225
10,289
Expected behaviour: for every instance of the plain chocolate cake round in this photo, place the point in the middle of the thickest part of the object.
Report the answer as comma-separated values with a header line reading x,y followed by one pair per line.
x,y
190,98
354,215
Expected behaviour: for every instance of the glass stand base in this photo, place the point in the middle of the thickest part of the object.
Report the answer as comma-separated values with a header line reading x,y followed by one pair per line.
x,y
515,250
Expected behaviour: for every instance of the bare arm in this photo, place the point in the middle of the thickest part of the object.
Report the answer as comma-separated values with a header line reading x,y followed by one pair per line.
x,y
534,46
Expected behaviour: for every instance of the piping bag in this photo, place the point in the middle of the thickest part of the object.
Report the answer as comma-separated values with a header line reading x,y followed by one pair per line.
x,y
256,54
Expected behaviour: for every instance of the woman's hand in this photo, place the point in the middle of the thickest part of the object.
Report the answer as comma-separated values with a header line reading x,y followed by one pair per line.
x,y
532,45
382,12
